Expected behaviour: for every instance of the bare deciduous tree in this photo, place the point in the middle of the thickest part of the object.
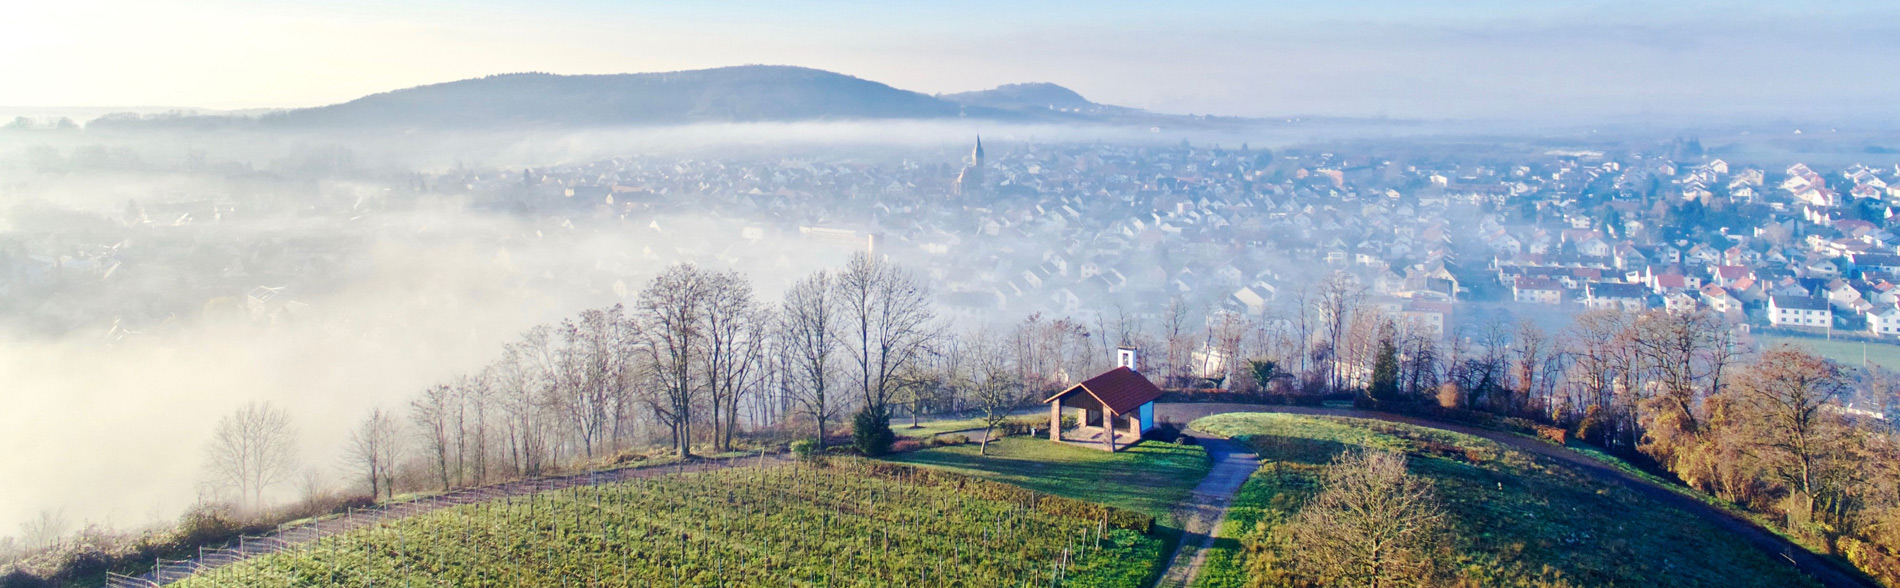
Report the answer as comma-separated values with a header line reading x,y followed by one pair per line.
x,y
734,349
526,380
1373,524
252,450
597,371
672,315
1789,398
434,416
888,323
808,322
43,530
1337,298
373,450
992,382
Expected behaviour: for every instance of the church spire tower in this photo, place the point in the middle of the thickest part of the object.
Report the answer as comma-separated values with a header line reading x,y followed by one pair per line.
x,y
971,179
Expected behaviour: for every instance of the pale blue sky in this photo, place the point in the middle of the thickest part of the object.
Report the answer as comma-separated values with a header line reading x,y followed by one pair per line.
x,y
1476,59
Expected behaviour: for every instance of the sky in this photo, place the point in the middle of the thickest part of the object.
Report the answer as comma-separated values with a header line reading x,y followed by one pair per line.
x,y
1565,59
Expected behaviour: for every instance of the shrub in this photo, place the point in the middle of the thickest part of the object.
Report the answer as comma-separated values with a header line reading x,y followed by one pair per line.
x,y
1593,427
1875,562
1552,434
948,440
1022,426
1449,396
903,445
18,578
207,525
805,448
83,562
871,432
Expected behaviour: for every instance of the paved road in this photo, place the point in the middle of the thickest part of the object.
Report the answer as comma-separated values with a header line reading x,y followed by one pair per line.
x,y
1823,570
1207,507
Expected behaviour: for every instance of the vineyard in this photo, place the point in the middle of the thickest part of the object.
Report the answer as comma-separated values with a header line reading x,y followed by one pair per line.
x,y
852,524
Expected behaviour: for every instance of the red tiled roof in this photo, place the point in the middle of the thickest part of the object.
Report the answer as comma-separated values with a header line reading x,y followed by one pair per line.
x,y
1122,390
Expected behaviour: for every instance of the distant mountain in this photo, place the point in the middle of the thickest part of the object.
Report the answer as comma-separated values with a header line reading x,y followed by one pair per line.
x,y
728,94
751,93
1028,98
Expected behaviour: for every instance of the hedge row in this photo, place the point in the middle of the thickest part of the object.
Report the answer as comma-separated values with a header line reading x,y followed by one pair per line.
x,y
1118,518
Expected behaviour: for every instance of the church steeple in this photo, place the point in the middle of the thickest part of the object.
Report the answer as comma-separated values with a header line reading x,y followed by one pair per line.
x,y
970,180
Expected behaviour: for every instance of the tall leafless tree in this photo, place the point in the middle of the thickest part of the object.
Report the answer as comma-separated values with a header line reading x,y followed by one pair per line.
x,y
1337,298
253,449
1791,399
1179,340
434,417
373,451
809,320
527,381
596,371
991,382
672,315
733,349
888,324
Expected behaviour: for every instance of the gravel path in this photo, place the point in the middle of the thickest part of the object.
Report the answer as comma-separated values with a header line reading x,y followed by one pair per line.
x,y
1823,570
1207,506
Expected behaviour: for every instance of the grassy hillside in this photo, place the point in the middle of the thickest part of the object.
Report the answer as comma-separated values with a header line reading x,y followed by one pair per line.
x,y
1150,477
845,526
1517,519
1846,352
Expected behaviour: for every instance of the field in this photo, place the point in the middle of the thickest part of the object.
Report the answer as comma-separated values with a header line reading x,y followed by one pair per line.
x,y
1845,352
850,525
1518,519
1150,477
927,428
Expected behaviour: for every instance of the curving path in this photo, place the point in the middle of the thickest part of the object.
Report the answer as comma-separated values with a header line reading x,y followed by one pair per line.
x,y
1201,516
1823,570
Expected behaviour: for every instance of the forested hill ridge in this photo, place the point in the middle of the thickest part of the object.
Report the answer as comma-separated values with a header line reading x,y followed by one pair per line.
x,y
750,93
1033,97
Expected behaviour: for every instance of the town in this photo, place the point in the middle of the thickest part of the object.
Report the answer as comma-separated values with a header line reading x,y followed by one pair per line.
x,y
1070,229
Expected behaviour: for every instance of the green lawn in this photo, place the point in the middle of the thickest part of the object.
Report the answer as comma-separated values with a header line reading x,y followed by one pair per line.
x,y
927,428
1150,477
1885,355
1518,519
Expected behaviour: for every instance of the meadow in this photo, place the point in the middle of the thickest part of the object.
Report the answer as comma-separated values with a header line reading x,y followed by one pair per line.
x,y
1516,519
1844,351
1151,477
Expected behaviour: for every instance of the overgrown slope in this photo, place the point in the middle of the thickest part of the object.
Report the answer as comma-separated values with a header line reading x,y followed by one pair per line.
x,y
1516,519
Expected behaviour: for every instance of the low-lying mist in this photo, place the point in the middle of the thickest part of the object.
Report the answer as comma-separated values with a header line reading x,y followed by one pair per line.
x,y
110,417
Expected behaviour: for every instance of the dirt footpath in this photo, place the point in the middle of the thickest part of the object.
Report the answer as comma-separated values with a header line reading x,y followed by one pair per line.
x,y
1206,507
1823,570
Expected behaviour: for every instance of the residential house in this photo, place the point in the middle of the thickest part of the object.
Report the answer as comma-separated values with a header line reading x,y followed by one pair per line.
x,y
1537,290
1628,297
1884,322
1800,311
1719,300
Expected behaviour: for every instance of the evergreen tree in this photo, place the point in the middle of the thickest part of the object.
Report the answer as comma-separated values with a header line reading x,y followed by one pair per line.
x,y
1385,372
871,432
